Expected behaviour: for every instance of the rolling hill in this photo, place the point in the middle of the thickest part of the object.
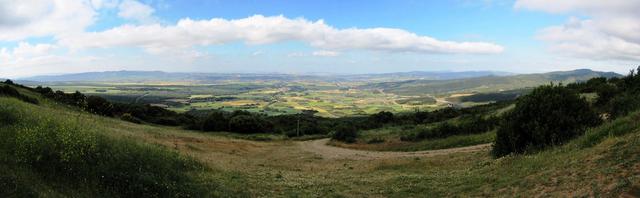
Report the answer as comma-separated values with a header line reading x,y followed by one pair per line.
x,y
487,83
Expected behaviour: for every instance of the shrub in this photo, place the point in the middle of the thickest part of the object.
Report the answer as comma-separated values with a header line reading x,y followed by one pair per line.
x,y
346,133
550,115
623,104
129,118
248,124
215,121
99,105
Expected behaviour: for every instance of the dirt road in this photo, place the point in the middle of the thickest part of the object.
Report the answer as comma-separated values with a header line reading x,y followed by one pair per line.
x,y
321,148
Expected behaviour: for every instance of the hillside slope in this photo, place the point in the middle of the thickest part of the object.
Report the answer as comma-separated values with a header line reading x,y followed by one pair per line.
x,y
52,150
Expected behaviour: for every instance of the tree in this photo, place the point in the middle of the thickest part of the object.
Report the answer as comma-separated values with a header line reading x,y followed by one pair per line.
x,y
382,117
345,132
99,105
549,115
215,121
248,124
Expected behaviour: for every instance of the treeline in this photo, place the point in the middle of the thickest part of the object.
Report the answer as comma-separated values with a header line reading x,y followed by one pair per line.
x,y
616,96
137,113
465,125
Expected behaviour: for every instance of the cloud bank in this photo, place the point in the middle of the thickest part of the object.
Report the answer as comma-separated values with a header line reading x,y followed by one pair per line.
x,y
258,29
609,30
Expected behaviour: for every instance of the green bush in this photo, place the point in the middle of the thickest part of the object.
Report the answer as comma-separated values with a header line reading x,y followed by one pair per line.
x,y
247,124
550,115
346,133
129,118
99,105
623,104
215,121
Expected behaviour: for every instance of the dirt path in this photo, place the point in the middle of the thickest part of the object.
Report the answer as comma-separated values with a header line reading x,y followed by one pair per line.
x,y
320,147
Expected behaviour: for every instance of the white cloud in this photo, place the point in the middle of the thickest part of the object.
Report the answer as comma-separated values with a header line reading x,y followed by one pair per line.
x,y
296,54
259,29
37,18
24,51
28,50
326,53
609,33
99,4
134,10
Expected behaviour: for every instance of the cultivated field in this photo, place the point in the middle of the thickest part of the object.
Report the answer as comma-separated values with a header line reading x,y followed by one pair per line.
x,y
329,99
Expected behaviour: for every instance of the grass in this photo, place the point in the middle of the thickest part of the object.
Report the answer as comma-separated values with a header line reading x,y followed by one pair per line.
x,y
61,151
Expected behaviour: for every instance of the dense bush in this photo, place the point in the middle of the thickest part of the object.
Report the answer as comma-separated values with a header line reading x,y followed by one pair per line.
x,y
216,121
129,118
99,106
382,117
345,132
623,104
249,124
549,115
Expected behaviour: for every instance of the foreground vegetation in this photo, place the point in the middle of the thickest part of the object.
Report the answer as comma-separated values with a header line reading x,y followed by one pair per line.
x,y
38,147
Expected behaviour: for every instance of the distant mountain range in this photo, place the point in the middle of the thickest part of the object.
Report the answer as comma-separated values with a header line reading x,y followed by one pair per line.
x,y
156,76
486,83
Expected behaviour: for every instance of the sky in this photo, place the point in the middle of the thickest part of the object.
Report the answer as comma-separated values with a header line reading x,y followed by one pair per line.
x,y
39,37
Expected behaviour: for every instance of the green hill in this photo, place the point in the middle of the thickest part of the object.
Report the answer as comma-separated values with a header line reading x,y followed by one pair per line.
x,y
486,84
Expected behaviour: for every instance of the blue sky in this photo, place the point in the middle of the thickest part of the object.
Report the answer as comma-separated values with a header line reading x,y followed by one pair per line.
x,y
287,36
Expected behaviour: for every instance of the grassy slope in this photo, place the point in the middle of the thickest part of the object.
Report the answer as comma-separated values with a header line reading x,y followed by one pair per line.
x,y
52,150
606,161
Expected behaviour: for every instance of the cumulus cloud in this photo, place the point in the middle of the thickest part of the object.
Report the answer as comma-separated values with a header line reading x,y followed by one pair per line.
x,y
28,50
99,4
37,18
259,29
326,53
609,31
134,10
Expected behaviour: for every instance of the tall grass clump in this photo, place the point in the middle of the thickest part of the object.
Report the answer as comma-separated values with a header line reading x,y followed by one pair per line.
x,y
60,148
